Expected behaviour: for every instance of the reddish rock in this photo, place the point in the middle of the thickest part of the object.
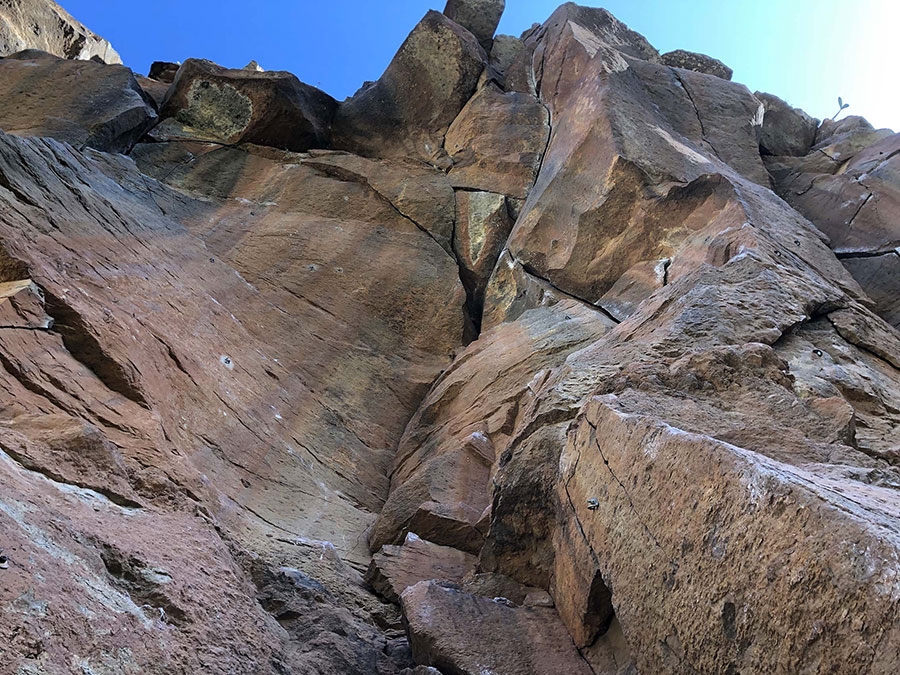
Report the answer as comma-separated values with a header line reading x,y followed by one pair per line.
x,y
441,482
395,568
497,142
418,192
558,52
208,102
229,369
633,287
512,291
407,112
728,504
463,634
22,306
80,102
44,25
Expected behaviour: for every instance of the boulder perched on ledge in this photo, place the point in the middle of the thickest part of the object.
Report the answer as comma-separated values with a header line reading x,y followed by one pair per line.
x,y
700,63
231,106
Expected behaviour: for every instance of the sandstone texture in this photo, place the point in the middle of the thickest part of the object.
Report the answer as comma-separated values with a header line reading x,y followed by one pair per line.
x,y
538,355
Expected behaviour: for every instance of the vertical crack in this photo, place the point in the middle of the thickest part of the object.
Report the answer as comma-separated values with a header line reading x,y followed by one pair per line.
x,y
696,112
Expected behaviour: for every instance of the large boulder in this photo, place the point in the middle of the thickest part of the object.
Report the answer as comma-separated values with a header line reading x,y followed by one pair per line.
x,y
407,112
700,63
464,634
44,25
480,17
208,102
84,103
395,568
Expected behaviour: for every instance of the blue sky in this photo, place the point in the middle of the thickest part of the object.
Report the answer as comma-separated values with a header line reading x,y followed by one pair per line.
x,y
808,52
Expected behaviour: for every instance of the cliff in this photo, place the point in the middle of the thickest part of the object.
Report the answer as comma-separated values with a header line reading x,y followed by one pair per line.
x,y
538,355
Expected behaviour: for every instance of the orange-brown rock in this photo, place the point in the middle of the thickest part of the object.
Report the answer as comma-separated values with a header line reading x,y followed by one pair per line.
x,y
441,481
231,373
497,142
208,102
395,568
84,103
179,365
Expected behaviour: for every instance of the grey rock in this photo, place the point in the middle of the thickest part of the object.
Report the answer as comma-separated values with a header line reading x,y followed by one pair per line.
x,y
697,62
785,130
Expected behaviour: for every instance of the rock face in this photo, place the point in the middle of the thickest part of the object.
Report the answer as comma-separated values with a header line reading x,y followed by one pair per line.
x,y
80,102
848,184
785,130
465,634
514,362
44,25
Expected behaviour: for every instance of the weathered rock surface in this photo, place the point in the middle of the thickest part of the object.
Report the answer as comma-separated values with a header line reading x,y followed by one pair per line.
x,y
849,186
395,568
441,482
234,372
208,102
44,25
497,142
408,110
785,130
700,63
462,634
80,102
483,224
480,17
